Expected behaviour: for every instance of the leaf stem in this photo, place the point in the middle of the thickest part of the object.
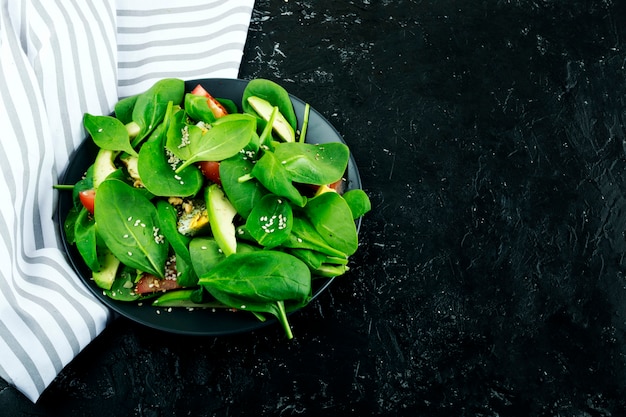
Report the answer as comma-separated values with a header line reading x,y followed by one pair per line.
x,y
305,122
282,317
268,127
244,178
63,187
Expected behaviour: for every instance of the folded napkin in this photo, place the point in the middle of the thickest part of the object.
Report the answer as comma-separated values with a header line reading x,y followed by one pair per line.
x,y
59,60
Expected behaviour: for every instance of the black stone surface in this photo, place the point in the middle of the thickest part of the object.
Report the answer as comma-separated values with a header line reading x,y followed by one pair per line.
x,y
490,280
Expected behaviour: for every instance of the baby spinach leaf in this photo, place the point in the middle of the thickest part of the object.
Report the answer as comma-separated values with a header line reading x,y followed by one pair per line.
x,y
223,140
158,173
123,286
86,239
270,221
128,224
321,265
124,109
108,133
205,253
273,175
151,106
331,217
313,164
304,236
243,195
263,282
198,108
274,94
168,220
358,202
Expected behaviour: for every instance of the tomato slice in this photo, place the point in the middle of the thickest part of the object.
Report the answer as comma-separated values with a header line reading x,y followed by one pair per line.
x,y
88,199
215,106
211,170
149,283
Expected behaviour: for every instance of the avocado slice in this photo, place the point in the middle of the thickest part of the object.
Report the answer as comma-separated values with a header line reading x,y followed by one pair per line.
x,y
106,275
221,214
103,166
281,126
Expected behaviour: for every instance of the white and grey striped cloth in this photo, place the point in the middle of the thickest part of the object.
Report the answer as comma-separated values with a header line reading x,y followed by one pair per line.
x,y
58,60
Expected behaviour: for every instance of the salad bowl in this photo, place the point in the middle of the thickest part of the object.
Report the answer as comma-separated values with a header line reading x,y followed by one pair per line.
x,y
188,321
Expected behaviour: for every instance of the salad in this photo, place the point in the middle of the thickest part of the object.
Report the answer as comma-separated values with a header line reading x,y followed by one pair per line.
x,y
197,201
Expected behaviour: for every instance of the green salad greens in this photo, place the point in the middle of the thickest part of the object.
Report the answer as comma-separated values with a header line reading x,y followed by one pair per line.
x,y
193,203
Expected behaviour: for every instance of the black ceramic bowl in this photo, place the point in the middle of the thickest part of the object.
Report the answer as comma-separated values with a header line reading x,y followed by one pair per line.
x,y
199,321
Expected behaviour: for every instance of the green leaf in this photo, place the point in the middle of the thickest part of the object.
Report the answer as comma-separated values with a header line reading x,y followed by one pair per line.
x,y
124,109
270,221
123,286
86,239
158,172
242,195
273,175
225,139
108,133
262,282
305,236
198,108
358,202
128,224
274,94
151,106
168,220
331,217
313,164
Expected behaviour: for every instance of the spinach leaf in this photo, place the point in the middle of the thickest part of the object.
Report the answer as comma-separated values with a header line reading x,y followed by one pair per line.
x,y
123,286
86,239
158,173
225,139
205,253
168,220
274,94
321,265
270,221
263,282
243,195
272,174
124,109
150,106
128,224
198,108
331,217
358,202
313,164
305,236
108,133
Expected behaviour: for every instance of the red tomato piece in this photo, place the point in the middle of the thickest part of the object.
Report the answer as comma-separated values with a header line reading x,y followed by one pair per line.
x,y
211,170
215,106
88,199
149,283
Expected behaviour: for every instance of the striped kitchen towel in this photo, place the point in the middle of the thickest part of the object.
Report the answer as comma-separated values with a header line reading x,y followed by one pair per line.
x,y
58,60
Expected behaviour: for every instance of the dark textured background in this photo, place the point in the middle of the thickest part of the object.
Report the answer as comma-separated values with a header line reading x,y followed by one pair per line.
x,y
490,277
